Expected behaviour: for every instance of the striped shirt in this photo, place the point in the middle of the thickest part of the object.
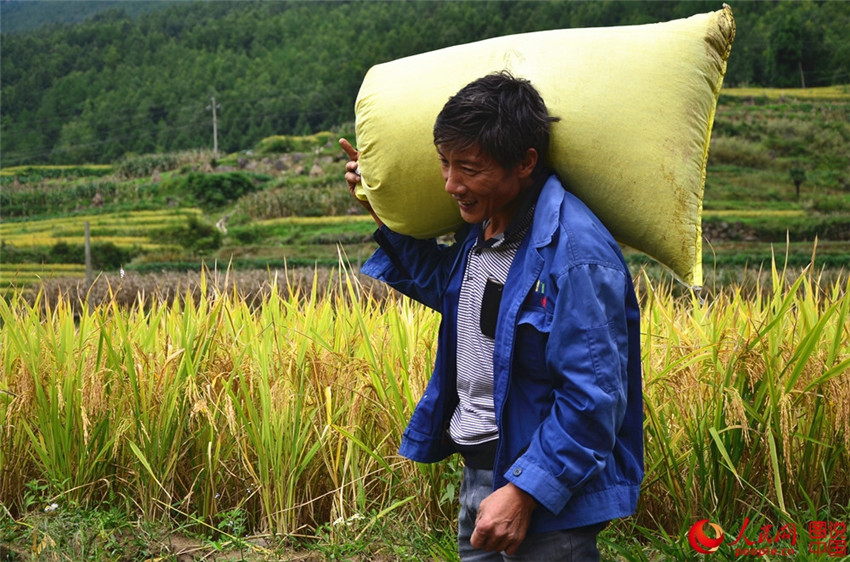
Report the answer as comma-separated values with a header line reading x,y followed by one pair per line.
x,y
474,419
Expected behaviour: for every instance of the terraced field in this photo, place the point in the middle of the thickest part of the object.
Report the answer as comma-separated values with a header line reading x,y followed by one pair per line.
x,y
136,230
777,187
122,229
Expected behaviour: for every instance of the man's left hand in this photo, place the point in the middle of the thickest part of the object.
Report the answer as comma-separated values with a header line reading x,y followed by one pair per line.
x,y
503,519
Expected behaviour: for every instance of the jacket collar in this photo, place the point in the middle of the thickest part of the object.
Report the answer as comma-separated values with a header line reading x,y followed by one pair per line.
x,y
546,211
520,224
545,205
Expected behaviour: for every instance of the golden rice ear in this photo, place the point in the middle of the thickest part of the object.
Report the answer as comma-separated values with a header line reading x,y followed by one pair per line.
x,y
636,105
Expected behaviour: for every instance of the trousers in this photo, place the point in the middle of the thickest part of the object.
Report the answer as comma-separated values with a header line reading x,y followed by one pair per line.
x,y
570,545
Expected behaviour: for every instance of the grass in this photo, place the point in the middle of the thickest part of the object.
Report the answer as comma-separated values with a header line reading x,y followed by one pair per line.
x,y
290,425
30,240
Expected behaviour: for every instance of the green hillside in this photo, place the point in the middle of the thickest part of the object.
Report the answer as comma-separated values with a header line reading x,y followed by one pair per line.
x,y
124,82
21,16
778,180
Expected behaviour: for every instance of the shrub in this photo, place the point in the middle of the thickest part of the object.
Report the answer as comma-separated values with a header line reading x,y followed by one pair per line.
x,y
738,152
274,145
134,166
35,174
247,235
214,190
137,166
290,143
104,255
109,256
28,200
195,235
293,200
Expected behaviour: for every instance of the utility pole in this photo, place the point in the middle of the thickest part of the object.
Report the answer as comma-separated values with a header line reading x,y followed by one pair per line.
x,y
213,106
87,250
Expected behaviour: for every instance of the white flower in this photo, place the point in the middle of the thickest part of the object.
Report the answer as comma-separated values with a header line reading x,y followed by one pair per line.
x,y
349,521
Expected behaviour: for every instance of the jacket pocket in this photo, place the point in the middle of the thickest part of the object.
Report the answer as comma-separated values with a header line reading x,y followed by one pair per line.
x,y
533,326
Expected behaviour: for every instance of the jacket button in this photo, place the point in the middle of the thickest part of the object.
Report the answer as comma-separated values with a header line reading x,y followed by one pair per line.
x,y
517,471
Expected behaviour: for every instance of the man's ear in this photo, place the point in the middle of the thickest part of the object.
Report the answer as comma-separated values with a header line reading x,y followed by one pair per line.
x,y
528,163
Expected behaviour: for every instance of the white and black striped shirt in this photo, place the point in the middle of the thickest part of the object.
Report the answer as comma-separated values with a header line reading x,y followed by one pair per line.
x,y
474,420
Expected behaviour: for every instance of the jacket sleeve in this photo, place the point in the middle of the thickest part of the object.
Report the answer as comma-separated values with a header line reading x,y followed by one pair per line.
x,y
586,357
416,268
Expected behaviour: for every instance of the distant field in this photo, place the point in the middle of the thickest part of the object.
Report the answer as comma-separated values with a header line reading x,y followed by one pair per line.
x,y
123,229
23,274
38,238
53,170
777,185
828,92
294,240
739,213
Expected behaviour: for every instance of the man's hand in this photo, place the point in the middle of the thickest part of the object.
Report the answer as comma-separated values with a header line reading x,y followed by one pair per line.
x,y
503,519
352,177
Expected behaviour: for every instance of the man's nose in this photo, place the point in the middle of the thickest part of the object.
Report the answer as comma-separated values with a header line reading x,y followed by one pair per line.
x,y
454,185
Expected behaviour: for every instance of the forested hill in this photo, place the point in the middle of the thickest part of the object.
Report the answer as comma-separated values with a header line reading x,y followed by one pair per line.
x,y
26,15
143,82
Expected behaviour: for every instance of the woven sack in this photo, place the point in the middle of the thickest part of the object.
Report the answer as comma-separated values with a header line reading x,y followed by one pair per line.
x,y
636,107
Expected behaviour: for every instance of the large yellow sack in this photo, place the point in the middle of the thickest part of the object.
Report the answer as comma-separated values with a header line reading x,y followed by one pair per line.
x,y
636,105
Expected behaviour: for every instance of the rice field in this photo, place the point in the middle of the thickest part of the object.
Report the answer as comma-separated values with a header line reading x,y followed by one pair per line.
x,y
52,170
288,410
821,93
757,213
121,228
140,230
37,241
26,274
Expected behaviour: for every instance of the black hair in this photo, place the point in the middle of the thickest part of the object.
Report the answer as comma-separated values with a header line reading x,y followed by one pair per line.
x,y
502,114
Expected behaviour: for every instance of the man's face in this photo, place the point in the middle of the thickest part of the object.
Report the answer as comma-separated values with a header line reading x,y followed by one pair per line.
x,y
483,188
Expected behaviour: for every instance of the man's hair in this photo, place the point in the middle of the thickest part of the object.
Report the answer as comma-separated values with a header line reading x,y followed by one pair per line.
x,y
502,114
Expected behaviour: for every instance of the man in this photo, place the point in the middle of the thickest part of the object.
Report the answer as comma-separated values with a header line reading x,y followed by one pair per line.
x,y
537,378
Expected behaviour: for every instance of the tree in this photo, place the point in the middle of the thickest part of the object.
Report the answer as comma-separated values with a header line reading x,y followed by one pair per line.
x,y
798,176
122,84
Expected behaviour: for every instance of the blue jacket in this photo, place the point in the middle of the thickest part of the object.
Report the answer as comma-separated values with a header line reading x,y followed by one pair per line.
x,y
566,363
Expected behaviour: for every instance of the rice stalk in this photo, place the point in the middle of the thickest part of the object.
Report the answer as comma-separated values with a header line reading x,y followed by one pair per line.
x,y
289,406
759,405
